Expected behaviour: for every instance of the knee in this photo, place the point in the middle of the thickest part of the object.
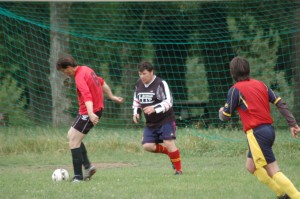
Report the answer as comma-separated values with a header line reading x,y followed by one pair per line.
x,y
250,170
170,145
149,147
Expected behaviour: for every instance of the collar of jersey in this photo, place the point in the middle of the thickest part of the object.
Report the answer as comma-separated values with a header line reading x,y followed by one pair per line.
x,y
146,85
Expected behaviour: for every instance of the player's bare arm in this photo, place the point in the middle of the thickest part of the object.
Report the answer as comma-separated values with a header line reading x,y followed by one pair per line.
x,y
136,118
110,95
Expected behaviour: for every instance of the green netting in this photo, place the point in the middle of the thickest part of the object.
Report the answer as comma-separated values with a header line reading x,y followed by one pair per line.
x,y
190,43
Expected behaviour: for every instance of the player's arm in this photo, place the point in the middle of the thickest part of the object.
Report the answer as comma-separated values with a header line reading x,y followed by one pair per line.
x,y
163,93
87,98
233,100
284,110
137,109
92,116
110,95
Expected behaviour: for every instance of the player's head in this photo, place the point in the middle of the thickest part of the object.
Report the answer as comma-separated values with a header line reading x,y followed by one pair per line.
x,y
146,72
65,61
67,65
239,69
145,66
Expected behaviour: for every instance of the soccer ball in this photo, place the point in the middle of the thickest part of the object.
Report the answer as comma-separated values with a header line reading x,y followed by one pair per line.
x,y
60,175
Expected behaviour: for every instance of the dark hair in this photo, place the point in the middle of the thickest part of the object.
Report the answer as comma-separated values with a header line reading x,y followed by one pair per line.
x,y
239,69
65,61
145,66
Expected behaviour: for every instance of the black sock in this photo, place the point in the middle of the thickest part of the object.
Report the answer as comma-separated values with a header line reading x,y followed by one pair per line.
x,y
77,162
85,160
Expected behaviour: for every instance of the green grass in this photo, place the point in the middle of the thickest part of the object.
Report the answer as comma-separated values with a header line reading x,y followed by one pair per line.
x,y
213,163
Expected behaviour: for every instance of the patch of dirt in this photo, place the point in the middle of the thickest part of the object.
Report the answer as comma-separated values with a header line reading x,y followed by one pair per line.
x,y
111,165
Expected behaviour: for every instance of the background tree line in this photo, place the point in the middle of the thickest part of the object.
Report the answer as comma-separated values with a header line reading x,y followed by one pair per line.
x,y
113,37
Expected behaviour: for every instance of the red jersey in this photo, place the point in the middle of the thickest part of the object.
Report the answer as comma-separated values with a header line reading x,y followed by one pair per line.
x,y
89,88
256,99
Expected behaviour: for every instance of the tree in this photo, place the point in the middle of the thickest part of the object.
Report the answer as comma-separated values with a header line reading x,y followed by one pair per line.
x,y
59,43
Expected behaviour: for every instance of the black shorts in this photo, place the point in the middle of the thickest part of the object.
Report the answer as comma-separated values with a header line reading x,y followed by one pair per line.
x,y
83,124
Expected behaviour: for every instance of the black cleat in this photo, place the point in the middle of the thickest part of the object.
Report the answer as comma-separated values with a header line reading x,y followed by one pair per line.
x,y
284,196
178,173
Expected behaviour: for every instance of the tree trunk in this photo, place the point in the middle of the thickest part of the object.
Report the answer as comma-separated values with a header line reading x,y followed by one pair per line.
x,y
59,43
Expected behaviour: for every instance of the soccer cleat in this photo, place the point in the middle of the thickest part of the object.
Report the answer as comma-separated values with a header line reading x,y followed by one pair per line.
x,y
77,179
284,196
88,173
178,173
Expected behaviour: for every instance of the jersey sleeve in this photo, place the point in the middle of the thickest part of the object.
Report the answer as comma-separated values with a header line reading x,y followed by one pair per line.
x,y
163,93
273,97
232,102
282,107
136,104
83,88
101,80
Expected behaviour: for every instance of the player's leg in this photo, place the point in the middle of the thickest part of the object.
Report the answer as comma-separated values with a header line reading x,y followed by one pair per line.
x,y
85,159
168,135
89,170
150,147
286,185
151,141
75,137
262,175
174,155
260,141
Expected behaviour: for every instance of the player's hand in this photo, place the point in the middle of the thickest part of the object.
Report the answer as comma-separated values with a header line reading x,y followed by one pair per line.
x,y
294,130
94,118
136,118
118,100
148,110
221,109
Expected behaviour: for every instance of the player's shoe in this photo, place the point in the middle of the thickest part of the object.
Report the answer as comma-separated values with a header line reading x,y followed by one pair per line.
x,y
178,173
284,196
88,173
77,179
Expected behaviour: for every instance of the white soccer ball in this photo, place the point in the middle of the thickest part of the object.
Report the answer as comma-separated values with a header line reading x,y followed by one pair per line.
x,y
60,175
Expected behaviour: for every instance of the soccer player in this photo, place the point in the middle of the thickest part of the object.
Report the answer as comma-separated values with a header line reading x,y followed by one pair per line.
x,y
252,100
153,97
90,90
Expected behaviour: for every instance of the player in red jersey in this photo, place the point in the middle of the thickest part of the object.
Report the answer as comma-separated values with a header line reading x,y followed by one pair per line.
x,y
252,100
90,90
153,97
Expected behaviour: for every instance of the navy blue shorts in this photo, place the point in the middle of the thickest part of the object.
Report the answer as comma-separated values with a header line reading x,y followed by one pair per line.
x,y
165,132
260,142
83,124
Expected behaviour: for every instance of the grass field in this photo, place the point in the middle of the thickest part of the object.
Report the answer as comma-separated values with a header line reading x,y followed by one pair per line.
x,y
212,160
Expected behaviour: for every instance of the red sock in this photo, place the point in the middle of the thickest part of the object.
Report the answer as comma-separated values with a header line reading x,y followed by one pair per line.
x,y
175,159
161,149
